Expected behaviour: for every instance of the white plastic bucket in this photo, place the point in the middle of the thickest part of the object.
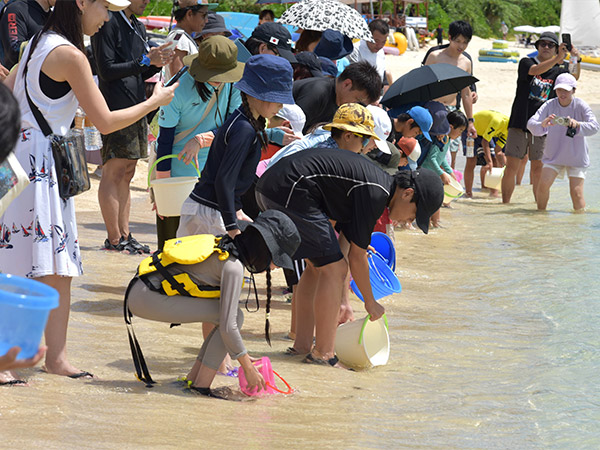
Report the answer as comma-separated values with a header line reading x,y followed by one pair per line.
x,y
453,191
493,179
363,343
170,193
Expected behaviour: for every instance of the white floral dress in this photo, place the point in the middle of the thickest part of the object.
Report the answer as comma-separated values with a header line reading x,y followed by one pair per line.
x,y
38,230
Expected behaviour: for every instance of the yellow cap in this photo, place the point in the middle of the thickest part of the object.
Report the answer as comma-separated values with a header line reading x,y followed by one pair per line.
x,y
355,118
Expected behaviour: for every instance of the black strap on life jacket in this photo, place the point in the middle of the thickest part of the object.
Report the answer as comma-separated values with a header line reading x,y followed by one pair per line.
x,y
167,276
141,369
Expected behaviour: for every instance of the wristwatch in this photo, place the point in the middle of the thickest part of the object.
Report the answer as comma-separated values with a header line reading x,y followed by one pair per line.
x,y
144,61
470,119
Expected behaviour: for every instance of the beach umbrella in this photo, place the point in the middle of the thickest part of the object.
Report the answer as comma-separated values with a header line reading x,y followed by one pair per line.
x,y
321,15
427,83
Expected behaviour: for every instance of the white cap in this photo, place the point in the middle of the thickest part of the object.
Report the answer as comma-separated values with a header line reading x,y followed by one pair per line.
x,y
296,117
118,5
383,127
565,81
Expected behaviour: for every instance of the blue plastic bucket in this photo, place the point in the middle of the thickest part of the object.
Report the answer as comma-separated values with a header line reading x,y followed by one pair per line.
x,y
384,247
384,281
24,308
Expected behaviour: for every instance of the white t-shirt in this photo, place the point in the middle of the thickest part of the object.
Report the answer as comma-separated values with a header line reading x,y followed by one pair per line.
x,y
362,53
185,44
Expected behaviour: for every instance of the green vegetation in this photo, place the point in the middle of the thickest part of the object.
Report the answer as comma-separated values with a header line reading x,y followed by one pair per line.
x,y
485,16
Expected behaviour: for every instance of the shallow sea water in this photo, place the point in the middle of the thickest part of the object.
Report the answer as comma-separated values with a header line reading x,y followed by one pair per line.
x,y
494,344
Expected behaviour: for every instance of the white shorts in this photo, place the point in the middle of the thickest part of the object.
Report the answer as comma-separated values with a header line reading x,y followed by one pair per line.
x,y
197,218
572,172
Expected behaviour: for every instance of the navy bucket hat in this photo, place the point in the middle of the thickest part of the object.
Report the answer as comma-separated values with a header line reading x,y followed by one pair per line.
x,y
334,45
268,78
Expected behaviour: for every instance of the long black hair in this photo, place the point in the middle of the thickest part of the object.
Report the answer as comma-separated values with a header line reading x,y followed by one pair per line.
x,y
65,19
259,124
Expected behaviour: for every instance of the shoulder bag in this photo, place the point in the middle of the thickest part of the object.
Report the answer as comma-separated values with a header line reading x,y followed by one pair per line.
x,y
70,166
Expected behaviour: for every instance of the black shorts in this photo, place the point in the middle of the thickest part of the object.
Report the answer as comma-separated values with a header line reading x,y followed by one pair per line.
x,y
319,243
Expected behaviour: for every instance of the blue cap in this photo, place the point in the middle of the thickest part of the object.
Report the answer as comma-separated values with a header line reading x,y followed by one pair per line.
x,y
422,117
334,45
268,78
328,67
439,114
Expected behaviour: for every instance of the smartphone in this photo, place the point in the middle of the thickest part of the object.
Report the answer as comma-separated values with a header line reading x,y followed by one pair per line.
x,y
177,76
566,38
173,42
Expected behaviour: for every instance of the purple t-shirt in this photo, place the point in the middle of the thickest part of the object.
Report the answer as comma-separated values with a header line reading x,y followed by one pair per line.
x,y
560,149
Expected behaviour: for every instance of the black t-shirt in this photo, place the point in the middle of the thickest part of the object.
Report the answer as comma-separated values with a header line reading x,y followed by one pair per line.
x,y
316,97
117,47
345,186
532,92
20,21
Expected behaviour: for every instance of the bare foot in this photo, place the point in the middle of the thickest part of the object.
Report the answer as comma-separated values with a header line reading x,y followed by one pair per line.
x,y
9,378
65,369
468,194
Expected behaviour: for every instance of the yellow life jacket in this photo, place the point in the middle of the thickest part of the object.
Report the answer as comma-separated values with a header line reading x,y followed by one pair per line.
x,y
186,250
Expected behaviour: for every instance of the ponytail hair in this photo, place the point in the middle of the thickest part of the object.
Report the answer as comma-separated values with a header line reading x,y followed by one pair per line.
x,y
259,124
268,313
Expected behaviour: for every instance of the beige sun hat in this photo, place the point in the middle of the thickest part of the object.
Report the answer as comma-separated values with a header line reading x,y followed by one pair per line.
x,y
118,5
355,118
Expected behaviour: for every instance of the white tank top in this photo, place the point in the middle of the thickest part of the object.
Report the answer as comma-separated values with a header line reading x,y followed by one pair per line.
x,y
59,113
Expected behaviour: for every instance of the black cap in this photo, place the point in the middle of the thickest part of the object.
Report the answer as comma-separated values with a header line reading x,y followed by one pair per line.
x,y
279,233
311,61
276,34
547,36
429,192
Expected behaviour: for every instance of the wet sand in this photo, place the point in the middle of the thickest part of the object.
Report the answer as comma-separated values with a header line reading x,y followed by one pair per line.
x,y
454,379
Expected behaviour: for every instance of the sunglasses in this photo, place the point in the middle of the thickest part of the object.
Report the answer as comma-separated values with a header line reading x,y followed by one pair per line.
x,y
365,139
546,44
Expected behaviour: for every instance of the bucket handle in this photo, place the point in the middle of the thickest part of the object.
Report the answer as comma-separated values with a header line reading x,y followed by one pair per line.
x,y
362,330
289,391
162,158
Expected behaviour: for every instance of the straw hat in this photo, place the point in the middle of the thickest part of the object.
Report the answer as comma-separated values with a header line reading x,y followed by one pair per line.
x,y
354,118
215,61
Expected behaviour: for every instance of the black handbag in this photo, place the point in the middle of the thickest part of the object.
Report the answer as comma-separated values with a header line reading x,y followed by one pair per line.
x,y
70,164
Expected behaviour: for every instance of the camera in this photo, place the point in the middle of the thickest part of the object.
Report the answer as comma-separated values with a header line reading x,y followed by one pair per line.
x,y
564,121
571,131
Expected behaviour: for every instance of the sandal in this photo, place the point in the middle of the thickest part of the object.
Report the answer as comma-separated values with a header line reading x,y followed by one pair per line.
x,y
84,374
221,393
140,248
291,351
311,359
122,246
14,382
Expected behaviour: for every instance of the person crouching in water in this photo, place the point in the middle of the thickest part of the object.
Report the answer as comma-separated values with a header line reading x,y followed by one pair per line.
x,y
266,242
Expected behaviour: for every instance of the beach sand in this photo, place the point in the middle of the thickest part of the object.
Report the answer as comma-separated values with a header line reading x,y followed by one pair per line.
x,y
403,403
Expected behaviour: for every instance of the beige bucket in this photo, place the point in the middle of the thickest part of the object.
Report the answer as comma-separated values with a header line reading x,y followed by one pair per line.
x,y
453,191
493,179
363,343
170,193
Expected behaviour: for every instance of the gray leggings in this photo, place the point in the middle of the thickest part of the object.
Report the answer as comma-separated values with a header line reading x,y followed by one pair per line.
x,y
151,305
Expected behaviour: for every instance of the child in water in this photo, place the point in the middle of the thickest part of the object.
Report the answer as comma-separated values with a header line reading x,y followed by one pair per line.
x,y
270,240
567,121
445,128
